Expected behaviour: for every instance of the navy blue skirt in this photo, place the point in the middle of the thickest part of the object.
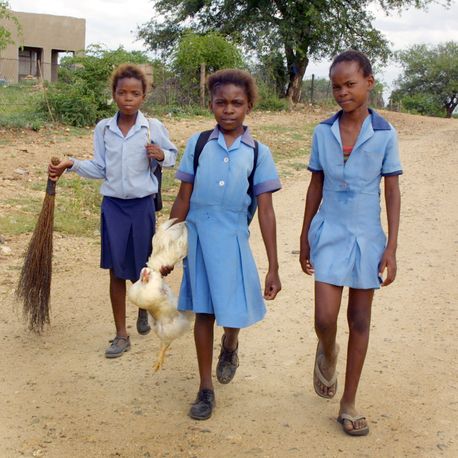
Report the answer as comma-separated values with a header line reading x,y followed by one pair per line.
x,y
127,229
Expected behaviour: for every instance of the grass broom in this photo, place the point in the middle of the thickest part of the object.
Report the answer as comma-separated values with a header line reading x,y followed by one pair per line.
x,y
35,279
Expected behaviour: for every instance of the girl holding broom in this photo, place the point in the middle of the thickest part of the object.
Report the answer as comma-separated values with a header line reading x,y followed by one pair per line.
x,y
127,149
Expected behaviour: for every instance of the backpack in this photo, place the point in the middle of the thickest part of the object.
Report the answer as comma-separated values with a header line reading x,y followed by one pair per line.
x,y
157,172
202,141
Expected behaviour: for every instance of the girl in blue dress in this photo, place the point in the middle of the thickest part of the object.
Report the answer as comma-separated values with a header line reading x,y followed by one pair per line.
x,y
342,240
127,149
220,280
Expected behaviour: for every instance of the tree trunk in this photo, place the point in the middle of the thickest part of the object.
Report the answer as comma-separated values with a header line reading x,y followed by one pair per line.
x,y
296,74
202,84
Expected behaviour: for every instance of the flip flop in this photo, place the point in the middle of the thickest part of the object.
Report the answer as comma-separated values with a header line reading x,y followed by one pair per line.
x,y
353,432
317,374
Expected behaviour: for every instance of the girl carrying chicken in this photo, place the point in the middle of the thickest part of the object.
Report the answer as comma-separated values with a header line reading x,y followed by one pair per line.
x,y
127,149
220,280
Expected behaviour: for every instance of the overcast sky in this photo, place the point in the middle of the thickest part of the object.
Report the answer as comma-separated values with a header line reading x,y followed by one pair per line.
x,y
114,23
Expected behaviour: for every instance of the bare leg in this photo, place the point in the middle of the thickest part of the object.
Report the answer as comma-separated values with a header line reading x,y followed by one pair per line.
x,y
118,303
327,306
231,339
203,337
359,319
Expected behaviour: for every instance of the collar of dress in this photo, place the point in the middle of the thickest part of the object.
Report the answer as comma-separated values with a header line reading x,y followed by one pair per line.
x,y
140,122
246,136
377,121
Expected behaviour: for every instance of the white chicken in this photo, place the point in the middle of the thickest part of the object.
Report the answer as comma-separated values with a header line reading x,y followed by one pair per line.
x,y
152,293
170,245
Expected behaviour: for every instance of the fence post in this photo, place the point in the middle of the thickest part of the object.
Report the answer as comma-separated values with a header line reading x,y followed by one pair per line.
x,y
43,87
312,88
202,84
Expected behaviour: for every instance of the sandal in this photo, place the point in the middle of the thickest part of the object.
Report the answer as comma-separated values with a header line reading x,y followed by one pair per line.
x,y
118,346
228,361
319,377
343,417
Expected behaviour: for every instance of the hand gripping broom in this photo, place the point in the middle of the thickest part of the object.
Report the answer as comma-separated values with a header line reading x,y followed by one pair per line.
x,y
35,279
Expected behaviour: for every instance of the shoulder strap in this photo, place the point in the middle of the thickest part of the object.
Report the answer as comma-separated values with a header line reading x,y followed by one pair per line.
x,y
105,127
149,130
255,162
201,142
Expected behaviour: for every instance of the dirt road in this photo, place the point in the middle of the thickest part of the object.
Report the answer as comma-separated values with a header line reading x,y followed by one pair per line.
x,y
59,396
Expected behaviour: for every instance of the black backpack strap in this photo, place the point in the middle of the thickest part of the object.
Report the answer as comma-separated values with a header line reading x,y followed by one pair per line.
x,y
201,142
255,161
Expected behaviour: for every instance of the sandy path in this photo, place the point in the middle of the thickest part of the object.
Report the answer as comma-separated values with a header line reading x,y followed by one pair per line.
x,y
59,397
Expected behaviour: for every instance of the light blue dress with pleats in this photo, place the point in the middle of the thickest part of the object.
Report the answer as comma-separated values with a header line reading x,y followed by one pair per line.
x,y
219,273
346,237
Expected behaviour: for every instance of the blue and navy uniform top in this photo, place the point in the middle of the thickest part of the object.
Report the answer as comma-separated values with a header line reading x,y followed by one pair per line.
x,y
346,236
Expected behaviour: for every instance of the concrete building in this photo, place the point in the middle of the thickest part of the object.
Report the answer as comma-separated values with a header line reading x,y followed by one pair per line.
x,y
44,37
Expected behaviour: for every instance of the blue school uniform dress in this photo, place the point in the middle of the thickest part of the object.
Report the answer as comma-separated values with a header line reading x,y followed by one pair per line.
x,y
220,275
346,236
128,187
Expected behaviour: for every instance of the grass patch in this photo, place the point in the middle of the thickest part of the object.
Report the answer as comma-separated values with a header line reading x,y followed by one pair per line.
x,y
286,142
18,106
175,111
77,208
22,219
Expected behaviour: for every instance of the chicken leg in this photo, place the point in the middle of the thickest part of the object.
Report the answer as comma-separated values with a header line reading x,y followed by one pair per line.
x,y
161,357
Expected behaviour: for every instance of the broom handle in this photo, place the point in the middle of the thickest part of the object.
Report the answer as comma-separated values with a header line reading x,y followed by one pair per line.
x,y
51,185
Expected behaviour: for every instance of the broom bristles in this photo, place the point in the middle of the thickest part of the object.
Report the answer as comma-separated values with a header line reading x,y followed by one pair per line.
x,y
35,279
34,284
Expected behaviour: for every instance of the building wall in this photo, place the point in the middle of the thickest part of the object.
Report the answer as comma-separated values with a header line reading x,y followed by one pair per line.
x,y
45,31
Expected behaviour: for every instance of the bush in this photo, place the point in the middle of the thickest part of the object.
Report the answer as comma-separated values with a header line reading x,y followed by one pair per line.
x,y
424,104
268,99
76,105
272,103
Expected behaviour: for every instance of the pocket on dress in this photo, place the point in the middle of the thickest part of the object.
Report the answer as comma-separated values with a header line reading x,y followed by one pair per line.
x,y
372,162
315,230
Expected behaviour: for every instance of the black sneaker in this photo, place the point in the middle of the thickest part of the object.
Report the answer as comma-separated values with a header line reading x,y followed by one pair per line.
x,y
228,361
203,405
143,327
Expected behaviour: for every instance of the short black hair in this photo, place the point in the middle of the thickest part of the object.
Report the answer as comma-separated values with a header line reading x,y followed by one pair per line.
x,y
234,76
128,71
351,55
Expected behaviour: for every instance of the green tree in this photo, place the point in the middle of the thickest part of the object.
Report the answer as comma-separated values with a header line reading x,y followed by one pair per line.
x,y
429,82
194,49
8,16
212,49
300,29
